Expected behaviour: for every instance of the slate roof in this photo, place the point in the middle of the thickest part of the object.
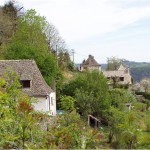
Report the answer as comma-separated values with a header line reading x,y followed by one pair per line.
x,y
122,71
27,70
90,62
114,73
123,67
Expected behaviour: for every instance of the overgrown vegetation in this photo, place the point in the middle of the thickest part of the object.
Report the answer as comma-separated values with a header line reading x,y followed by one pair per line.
x,y
86,93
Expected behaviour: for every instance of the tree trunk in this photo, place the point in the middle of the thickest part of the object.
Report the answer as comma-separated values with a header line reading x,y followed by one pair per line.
x,y
110,137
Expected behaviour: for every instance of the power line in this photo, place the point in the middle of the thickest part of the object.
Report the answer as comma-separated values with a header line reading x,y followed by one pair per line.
x,y
80,54
98,58
73,53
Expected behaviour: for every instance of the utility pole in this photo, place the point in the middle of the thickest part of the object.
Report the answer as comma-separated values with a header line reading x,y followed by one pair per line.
x,y
73,55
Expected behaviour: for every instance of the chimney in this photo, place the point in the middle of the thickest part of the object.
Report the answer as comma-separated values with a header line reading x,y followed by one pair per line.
x,y
90,56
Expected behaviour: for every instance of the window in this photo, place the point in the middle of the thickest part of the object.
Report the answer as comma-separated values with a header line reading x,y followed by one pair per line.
x,y
121,78
25,83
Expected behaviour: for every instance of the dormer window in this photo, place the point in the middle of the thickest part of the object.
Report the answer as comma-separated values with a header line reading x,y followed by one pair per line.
x,y
25,83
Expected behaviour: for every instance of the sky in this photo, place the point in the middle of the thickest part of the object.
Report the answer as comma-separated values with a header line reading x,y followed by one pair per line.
x,y
102,28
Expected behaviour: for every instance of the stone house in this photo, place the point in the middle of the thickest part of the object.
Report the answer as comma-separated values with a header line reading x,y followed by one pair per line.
x,y
121,75
32,83
90,64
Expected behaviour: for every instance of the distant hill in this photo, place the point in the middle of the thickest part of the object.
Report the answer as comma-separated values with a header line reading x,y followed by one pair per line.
x,y
139,70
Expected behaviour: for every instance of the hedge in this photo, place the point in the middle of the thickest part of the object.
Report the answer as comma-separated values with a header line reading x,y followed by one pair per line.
x,y
145,95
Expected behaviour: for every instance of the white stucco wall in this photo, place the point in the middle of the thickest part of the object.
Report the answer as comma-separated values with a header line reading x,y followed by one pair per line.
x,y
41,104
95,68
53,104
46,104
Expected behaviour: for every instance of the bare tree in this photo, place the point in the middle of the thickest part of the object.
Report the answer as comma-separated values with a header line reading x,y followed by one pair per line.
x,y
113,63
58,46
145,83
6,28
8,21
54,40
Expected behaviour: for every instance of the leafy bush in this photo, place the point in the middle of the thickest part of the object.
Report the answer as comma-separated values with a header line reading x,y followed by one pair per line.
x,y
139,106
122,86
146,95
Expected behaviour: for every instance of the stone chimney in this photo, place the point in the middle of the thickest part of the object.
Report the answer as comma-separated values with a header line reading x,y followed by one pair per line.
x,y
90,56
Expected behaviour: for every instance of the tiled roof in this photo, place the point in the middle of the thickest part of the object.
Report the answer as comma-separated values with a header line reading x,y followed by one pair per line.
x,y
121,72
90,62
114,73
27,70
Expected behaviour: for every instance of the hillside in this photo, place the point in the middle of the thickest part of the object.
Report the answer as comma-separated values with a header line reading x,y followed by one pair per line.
x,y
139,70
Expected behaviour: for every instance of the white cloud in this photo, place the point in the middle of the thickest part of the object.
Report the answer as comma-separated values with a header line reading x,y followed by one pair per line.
x,y
78,20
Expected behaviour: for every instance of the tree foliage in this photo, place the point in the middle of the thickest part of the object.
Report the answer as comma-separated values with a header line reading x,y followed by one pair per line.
x,y
70,132
113,63
17,123
22,127
119,97
8,22
29,42
90,90
67,103
30,36
145,83
123,128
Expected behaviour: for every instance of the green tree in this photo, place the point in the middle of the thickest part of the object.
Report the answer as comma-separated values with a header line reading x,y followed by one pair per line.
x,y
58,46
90,89
116,118
119,97
69,131
18,126
29,42
64,61
123,128
8,24
30,31
66,132
67,103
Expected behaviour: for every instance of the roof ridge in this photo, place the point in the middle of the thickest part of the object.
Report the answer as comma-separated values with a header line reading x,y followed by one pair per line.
x,y
18,60
42,78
